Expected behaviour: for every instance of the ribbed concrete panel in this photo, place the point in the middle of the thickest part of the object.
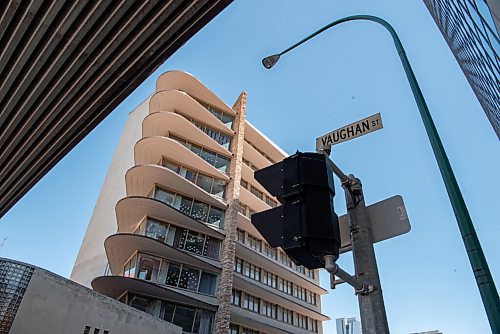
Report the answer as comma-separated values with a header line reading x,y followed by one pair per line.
x,y
66,64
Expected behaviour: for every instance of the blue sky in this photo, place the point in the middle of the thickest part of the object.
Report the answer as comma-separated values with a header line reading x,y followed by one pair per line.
x,y
345,74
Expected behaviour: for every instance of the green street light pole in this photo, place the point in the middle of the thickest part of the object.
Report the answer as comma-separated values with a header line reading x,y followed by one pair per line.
x,y
484,280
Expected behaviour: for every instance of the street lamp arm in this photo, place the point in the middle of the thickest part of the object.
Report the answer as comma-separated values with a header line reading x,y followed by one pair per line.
x,y
397,42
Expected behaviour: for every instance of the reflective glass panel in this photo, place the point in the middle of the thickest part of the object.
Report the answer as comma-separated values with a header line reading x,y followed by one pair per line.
x,y
156,230
207,283
184,317
205,182
194,242
174,272
164,196
189,279
216,217
200,211
185,206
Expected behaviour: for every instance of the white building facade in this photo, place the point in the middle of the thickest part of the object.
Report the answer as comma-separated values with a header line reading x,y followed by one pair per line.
x,y
171,232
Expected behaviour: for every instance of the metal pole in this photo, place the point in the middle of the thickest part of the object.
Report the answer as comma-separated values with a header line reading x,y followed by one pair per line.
x,y
371,306
484,279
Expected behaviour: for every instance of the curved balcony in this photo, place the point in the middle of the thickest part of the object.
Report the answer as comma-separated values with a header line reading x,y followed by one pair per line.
x,y
262,323
175,100
150,150
254,156
162,123
264,143
116,286
120,248
187,83
255,203
265,292
142,178
261,260
130,211
247,174
245,223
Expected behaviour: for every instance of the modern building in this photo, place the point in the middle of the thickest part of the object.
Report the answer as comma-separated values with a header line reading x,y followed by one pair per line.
x,y
171,232
348,326
470,27
29,296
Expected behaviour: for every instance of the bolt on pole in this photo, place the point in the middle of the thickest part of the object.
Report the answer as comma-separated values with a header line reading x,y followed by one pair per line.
x,y
371,306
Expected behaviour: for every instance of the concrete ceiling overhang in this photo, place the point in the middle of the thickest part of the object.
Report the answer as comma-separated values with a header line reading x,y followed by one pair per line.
x,y
120,248
150,150
261,260
164,123
130,211
141,179
65,65
115,286
241,282
188,83
180,102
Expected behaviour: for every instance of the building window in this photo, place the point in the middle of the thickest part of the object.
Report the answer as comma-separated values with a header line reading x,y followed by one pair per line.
x,y
180,238
148,268
221,138
198,210
225,118
270,310
191,319
301,321
251,303
251,270
311,297
271,202
255,243
300,269
285,259
208,283
285,286
217,160
270,279
244,183
270,251
311,273
236,297
299,292
285,315
257,192
209,184
242,208
238,265
313,325
240,235
233,329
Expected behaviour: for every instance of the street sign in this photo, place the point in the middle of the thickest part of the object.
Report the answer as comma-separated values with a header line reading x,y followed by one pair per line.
x,y
388,219
351,131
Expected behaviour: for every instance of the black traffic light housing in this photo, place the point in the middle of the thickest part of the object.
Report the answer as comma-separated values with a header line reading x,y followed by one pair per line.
x,y
305,226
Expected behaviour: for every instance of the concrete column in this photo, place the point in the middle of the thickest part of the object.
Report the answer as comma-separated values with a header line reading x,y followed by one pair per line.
x,y
223,314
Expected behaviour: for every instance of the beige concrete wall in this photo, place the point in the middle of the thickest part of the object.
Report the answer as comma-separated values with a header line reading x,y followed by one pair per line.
x,y
55,305
91,261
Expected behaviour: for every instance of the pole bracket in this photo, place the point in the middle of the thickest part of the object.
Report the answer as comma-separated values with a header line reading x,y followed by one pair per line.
x,y
333,268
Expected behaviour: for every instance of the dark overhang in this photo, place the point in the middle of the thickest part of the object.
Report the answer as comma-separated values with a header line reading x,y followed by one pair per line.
x,y
65,65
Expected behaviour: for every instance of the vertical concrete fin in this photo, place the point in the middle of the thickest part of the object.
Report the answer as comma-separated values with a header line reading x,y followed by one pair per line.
x,y
223,314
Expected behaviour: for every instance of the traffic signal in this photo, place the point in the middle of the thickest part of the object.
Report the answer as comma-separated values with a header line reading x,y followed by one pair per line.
x,y
305,226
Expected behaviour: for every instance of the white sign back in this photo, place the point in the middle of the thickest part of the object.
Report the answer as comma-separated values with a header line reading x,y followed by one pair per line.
x,y
388,219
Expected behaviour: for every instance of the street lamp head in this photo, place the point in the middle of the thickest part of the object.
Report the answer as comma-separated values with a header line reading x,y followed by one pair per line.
x,y
269,61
